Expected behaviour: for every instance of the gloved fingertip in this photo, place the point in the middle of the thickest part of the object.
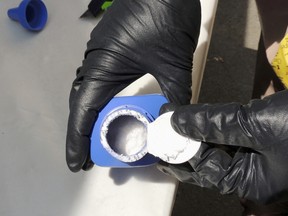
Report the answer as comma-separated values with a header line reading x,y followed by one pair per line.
x,y
88,165
167,107
73,167
164,168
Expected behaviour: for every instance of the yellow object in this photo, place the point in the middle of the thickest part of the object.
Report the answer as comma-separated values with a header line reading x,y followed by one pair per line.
x,y
280,62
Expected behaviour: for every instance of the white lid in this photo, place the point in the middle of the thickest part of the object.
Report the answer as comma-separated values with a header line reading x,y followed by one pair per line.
x,y
164,142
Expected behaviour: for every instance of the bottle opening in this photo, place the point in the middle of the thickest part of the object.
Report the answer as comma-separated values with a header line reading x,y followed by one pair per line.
x,y
124,134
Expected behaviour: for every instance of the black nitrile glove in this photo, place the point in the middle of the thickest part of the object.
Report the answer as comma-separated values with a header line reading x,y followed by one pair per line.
x,y
258,171
132,39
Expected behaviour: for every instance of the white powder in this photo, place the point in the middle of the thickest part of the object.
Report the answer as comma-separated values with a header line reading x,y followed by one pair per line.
x,y
123,135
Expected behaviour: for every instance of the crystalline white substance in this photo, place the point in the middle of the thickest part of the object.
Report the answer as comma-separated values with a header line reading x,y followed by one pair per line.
x,y
123,135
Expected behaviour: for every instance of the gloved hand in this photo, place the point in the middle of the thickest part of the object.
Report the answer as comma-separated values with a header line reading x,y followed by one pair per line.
x,y
133,38
258,170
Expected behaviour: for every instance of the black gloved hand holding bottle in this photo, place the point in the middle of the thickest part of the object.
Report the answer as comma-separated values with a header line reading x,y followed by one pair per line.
x,y
258,170
133,38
